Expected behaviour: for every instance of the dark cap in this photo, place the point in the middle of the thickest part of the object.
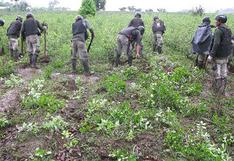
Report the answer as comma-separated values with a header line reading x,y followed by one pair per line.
x,y
221,18
206,19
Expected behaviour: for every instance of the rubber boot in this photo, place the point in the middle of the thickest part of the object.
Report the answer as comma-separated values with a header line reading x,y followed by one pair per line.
x,y
130,60
223,86
86,68
159,49
154,48
34,61
74,62
16,55
217,86
30,60
117,61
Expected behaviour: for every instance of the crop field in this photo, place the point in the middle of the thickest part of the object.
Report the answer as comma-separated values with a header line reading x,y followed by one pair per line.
x,y
160,109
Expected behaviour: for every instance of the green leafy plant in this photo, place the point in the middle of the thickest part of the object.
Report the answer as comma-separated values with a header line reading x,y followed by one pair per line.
x,y
123,155
196,145
114,84
47,102
41,154
13,81
4,123
130,72
54,124
7,67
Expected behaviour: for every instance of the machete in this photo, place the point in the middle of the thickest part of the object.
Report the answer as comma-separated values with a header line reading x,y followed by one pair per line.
x,y
90,43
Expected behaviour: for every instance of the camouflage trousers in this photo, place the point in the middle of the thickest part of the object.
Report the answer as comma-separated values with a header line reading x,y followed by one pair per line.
x,y
123,46
13,44
79,50
221,71
201,59
158,39
33,44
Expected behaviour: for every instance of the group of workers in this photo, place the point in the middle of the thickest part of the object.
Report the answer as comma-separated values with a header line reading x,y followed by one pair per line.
x,y
217,46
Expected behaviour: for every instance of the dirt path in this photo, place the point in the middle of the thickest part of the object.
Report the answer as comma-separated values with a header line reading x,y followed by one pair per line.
x,y
11,99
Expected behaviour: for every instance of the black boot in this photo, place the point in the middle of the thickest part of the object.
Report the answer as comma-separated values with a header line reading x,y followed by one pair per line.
x,y
159,49
154,48
16,55
223,86
86,68
74,62
117,61
34,61
30,60
130,60
217,86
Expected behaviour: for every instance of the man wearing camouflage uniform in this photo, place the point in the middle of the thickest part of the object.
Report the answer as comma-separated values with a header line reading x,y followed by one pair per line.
x,y
126,37
158,29
80,35
31,30
201,42
13,33
220,53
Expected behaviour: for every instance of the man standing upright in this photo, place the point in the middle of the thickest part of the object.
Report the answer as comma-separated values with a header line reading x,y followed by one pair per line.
x,y
136,21
13,33
80,35
220,52
201,42
158,29
31,30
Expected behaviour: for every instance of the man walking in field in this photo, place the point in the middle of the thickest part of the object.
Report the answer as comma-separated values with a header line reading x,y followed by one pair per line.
x,y
126,37
201,42
31,30
13,33
220,53
158,29
80,35
136,21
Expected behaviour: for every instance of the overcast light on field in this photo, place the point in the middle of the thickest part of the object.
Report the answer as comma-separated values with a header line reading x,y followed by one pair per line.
x,y
169,5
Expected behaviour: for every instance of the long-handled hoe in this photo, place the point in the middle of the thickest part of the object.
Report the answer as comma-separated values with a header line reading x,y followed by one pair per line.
x,y
45,58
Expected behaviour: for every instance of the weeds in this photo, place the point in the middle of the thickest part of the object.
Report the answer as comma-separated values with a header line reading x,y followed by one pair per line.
x,y
13,81
114,85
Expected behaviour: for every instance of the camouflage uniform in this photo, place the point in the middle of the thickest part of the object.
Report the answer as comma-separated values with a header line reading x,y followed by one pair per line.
x,y
220,52
13,33
80,35
125,39
33,44
124,45
158,29
31,30
13,45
